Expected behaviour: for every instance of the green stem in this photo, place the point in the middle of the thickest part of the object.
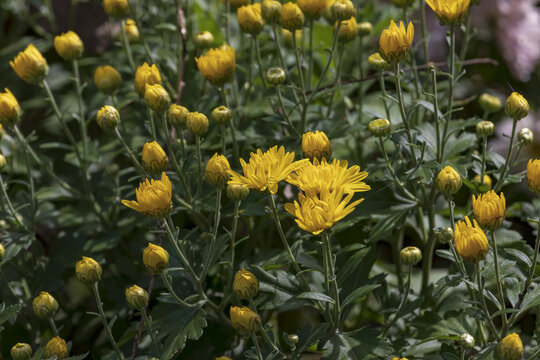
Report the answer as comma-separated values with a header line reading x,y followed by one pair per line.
x,y
535,355
127,46
424,30
310,54
285,114
384,94
199,166
32,189
402,303
332,279
278,47
305,102
227,30
127,149
227,291
53,327
392,172
404,118
360,89
217,217
152,124
169,287
483,299
80,103
341,49
450,87
436,114
223,139
498,277
150,332
104,321
500,181
10,206
483,165
259,61
231,124
257,346
327,67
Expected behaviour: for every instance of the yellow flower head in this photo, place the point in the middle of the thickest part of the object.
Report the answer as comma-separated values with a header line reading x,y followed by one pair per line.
x,y
265,170
449,181
316,145
313,8
487,180
322,176
154,159
217,170
116,7
245,284
10,111
155,258
44,305
88,270
516,106
270,10
533,175
510,348
450,12
470,241
153,198
244,320
132,31
291,17
250,18
157,98
68,45
217,65
30,65
108,117
348,30
56,347
197,123
489,209
395,42
107,79
316,213
144,75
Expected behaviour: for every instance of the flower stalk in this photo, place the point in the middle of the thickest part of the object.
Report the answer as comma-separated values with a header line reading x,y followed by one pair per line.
x,y
105,323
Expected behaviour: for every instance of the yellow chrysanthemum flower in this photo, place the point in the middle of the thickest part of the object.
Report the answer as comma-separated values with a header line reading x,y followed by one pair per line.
x,y
510,348
395,42
107,79
470,241
30,65
132,31
56,347
313,8
316,213
154,159
450,12
291,17
322,176
10,111
250,18
533,175
153,198
489,209
244,320
217,65
348,30
68,45
217,170
245,284
265,170
316,145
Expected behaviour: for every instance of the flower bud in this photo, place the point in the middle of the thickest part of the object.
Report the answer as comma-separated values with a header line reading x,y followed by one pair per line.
x,y
117,8
410,255
136,297
108,117
197,123
44,305
276,76
466,341
155,258
88,271
313,8
237,192
489,209
377,62
217,65
2,162
291,17
144,75
177,115
30,65
203,40
107,79
250,18
487,180
396,41
365,28
216,172
68,45
154,159
533,175
244,320
526,136
56,347
470,240
485,128
516,106
21,351
131,30
315,145
157,98
342,10
490,103
449,181
270,10
245,284
2,251
445,235
510,348
112,169
380,127
293,339
222,115
348,30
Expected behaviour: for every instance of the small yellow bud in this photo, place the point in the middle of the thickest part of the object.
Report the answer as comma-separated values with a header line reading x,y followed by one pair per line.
x,y
380,127
177,115
313,8
470,240
291,17
466,341
2,251
144,75
485,128
342,10
449,181
348,30
410,255
288,38
155,258
157,98
217,65
44,305
56,347
315,145
489,209
276,76
68,45
445,235
30,65
2,162
222,115
136,297
533,175
250,18
107,79
516,106
108,117
403,3
21,351
510,348
490,103
117,8
364,28
237,192
293,339
203,40
197,123
88,271
245,284
216,172
132,31
526,136
244,320
395,42
270,10
487,180
377,62
154,159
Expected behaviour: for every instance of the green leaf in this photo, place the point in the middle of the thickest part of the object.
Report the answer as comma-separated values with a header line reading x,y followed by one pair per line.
x,y
8,312
395,219
179,326
358,294
363,343
308,336
315,296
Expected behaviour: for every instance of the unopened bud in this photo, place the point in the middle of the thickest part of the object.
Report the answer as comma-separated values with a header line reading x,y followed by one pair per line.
x,y
155,258
2,162
245,284
526,136
203,40
88,271
21,351
410,255
2,251
293,339
136,297
380,127
516,106
177,115
276,76
466,341
377,62
446,235
485,128
270,11
364,28
237,192
108,117
342,10
157,98
44,305
197,123
222,115
490,103
449,181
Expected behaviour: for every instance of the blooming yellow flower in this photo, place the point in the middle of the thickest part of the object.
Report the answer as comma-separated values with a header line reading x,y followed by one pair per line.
x,y
216,172
144,75
250,18
116,7
316,213
510,348
395,42
154,159
30,65
313,8
265,170
450,12
449,181
470,241
348,30
318,176
489,209
533,175
10,111
153,198
44,305
291,17
68,45
245,284
157,98
316,145
107,79
244,320
217,65
132,31
56,347
155,258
